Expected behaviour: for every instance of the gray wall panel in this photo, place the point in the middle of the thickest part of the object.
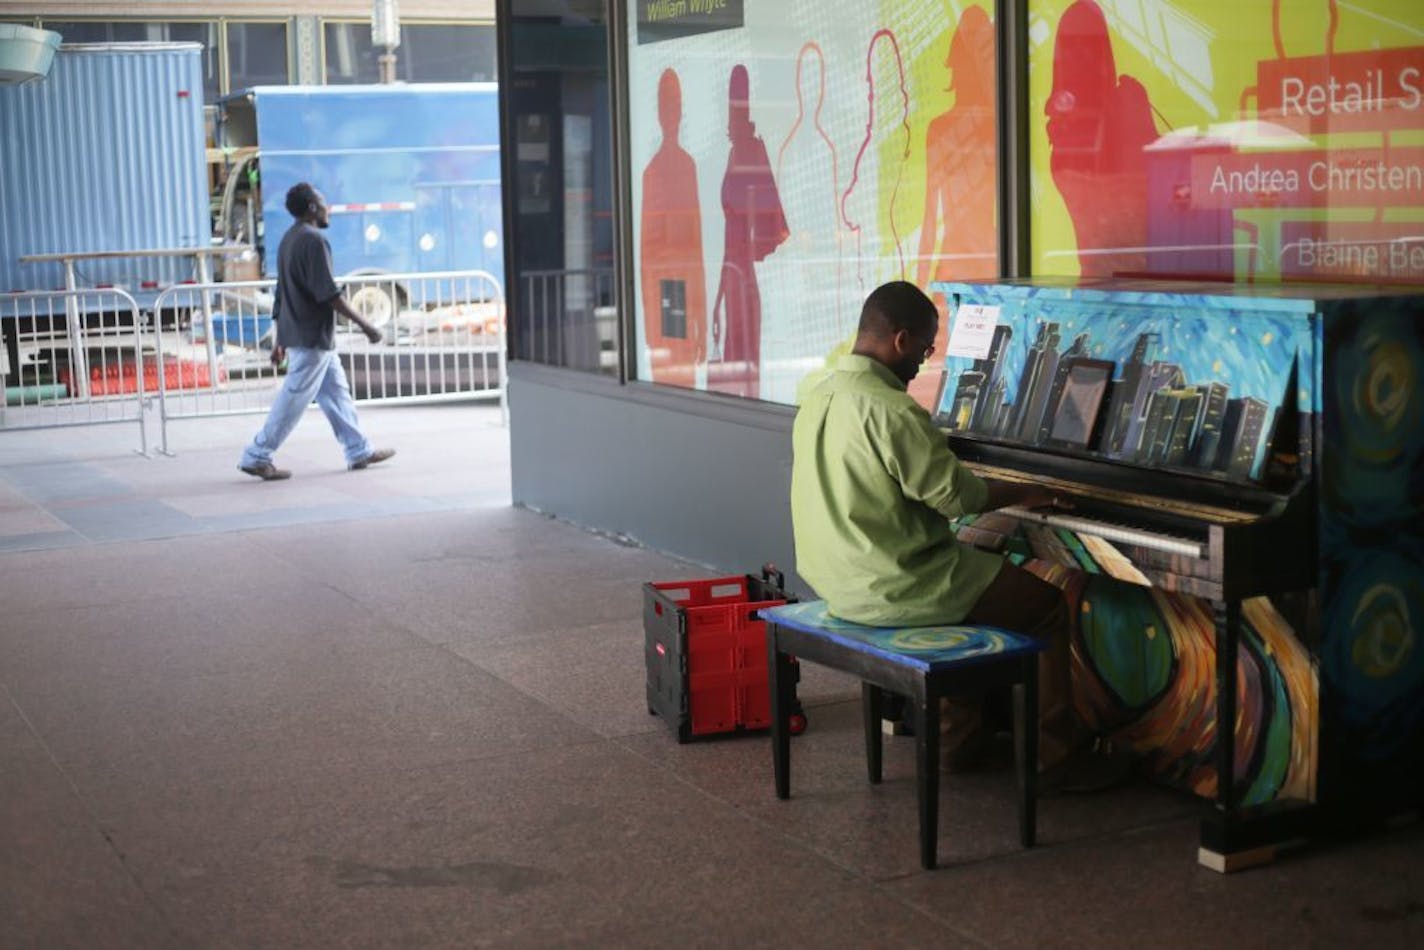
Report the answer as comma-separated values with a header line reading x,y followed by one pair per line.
x,y
699,477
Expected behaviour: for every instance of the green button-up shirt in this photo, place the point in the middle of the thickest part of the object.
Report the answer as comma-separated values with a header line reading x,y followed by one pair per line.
x,y
873,484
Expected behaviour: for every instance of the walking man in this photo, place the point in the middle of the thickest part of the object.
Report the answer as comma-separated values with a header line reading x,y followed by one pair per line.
x,y
305,309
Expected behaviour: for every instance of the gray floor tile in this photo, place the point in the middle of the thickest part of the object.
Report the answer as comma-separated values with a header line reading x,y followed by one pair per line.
x,y
134,649
27,519
62,881
42,542
593,674
275,722
386,709
1146,889
133,519
107,574
67,480
581,845
873,830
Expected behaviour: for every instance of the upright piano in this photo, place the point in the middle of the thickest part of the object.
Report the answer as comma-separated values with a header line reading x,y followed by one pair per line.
x,y
1245,544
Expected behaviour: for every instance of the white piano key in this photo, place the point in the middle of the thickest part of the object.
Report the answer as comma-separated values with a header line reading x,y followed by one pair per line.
x,y
1125,535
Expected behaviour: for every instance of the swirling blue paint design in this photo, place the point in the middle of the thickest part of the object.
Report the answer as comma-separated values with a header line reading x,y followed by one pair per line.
x,y
926,647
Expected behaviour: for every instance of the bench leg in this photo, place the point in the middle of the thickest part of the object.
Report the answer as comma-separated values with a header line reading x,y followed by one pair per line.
x,y
781,682
872,704
1026,750
927,775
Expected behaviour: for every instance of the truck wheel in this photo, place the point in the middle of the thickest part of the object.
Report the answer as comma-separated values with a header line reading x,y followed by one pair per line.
x,y
378,303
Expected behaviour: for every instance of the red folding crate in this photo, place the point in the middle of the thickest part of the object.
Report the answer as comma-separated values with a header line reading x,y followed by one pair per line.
x,y
705,650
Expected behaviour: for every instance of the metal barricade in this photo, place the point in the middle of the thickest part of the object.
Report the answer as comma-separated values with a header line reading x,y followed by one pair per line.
x,y
443,340
74,358
444,337
569,318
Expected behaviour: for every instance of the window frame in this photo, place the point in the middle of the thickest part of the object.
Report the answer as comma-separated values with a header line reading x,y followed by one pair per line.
x,y
405,21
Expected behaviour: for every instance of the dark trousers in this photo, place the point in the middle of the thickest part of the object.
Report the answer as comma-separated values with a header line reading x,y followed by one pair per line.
x,y
1019,601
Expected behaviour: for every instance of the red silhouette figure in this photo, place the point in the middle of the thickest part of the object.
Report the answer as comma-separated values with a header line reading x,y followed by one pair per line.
x,y
958,240
904,126
755,226
674,283
1098,125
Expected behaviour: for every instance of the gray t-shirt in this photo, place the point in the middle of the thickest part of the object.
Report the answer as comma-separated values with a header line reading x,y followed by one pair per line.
x,y
305,290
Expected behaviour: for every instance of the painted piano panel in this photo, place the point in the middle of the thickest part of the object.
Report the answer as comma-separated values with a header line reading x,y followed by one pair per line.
x,y
1198,378
1372,549
1329,681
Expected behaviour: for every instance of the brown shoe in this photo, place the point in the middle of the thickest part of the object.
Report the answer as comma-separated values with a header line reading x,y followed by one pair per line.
x,y
380,455
266,471
981,751
1095,769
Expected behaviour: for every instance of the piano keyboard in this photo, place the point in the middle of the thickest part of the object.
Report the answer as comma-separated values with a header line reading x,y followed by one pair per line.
x,y
1147,539
1183,509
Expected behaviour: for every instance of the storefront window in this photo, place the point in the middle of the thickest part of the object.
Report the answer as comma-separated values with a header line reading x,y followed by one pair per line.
x,y
256,55
558,176
350,58
1259,141
448,53
429,52
787,159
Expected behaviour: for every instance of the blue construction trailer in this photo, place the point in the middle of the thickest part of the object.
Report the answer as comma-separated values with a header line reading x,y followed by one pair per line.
x,y
411,173
105,154
103,183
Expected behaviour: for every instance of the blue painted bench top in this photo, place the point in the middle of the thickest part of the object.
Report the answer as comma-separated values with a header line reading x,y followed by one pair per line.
x,y
929,649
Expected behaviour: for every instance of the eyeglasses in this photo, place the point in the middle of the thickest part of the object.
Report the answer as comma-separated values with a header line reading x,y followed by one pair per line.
x,y
929,347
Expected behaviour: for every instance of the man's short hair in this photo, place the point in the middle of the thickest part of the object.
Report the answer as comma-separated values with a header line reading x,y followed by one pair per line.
x,y
300,198
898,305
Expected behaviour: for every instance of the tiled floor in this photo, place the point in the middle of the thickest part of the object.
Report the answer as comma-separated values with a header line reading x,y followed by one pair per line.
x,y
384,708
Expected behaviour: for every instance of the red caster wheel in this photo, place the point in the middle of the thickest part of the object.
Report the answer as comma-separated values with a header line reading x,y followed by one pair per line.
x,y
797,723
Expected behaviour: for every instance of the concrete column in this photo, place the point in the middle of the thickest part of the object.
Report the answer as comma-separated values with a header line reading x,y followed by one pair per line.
x,y
308,72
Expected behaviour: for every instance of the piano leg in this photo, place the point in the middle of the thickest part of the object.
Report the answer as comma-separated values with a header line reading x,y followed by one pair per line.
x,y
1228,640
1224,848
1235,837
1218,849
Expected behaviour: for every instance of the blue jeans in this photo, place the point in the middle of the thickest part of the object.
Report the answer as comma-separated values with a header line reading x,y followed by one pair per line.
x,y
311,374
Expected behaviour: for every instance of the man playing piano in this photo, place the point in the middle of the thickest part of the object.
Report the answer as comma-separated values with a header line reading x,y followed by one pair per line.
x,y
873,487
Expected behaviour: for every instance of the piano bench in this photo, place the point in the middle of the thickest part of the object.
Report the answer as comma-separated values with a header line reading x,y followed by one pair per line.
x,y
921,664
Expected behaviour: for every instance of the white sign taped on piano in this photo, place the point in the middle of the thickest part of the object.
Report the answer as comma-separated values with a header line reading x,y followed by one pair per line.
x,y
973,332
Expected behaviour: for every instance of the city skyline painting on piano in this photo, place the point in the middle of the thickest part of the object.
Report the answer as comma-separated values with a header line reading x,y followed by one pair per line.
x,y
1198,383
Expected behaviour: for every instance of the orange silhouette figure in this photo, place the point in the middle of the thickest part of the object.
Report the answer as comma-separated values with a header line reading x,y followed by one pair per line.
x,y
1098,126
958,239
755,227
674,283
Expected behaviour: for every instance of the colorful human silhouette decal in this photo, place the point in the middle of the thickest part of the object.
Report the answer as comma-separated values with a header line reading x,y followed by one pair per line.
x,y
672,271
755,226
807,310
958,237
1099,124
887,127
